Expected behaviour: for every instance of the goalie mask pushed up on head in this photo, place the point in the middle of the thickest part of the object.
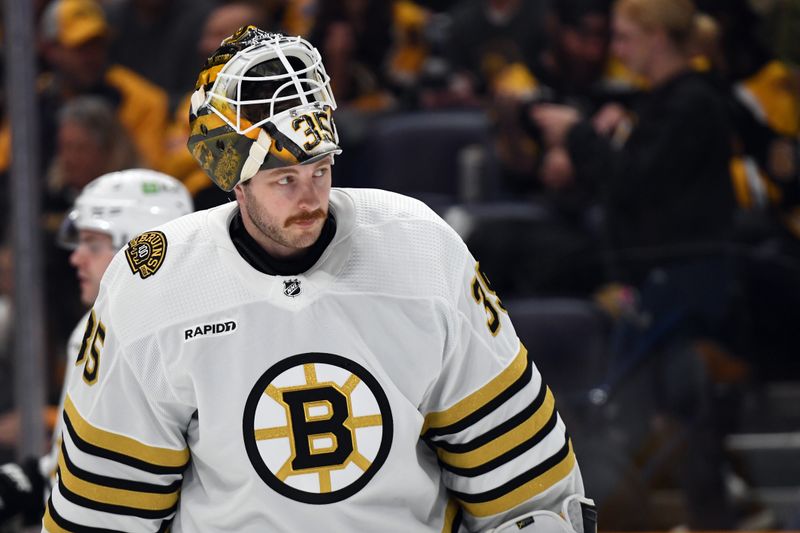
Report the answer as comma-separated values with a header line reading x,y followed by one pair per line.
x,y
262,101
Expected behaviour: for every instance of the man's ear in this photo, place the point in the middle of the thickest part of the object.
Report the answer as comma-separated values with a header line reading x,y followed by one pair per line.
x,y
237,190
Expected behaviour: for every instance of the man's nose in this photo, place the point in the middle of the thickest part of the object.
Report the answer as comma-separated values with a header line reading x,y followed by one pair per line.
x,y
309,196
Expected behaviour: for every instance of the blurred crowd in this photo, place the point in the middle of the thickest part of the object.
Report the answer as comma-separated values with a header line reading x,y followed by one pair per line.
x,y
651,144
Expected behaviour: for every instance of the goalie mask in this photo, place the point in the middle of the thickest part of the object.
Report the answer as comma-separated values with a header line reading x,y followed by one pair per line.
x,y
262,101
124,204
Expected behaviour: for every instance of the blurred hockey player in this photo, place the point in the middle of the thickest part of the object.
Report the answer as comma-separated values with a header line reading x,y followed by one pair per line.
x,y
306,358
110,210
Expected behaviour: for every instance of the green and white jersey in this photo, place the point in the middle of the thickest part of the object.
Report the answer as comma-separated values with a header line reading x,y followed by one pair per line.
x,y
384,389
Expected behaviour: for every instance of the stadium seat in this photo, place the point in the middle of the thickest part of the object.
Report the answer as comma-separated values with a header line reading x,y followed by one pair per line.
x,y
440,157
567,337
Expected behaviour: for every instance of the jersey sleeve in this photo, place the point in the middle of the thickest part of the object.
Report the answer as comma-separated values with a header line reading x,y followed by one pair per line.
x,y
49,462
493,423
123,452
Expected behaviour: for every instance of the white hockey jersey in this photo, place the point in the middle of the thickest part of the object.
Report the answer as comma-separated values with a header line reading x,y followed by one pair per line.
x,y
48,463
382,390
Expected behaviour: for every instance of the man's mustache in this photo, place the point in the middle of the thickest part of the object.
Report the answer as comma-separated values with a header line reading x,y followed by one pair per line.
x,y
303,217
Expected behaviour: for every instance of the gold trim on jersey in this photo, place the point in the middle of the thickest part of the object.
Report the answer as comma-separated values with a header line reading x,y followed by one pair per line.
x,y
480,397
150,501
123,445
526,491
505,442
450,515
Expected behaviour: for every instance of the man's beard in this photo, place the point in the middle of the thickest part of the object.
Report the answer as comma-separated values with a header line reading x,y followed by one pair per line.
x,y
277,232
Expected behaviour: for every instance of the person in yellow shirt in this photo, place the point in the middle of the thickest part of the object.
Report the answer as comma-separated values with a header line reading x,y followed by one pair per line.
x,y
74,37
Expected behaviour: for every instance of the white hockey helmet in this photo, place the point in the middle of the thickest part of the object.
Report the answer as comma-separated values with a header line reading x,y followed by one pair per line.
x,y
124,204
263,100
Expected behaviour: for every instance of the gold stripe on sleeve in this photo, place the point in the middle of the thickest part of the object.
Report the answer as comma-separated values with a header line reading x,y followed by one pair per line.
x,y
114,496
508,441
480,397
50,525
532,488
450,513
123,445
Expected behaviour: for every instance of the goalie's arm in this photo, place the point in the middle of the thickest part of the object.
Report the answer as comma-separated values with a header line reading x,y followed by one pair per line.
x,y
503,448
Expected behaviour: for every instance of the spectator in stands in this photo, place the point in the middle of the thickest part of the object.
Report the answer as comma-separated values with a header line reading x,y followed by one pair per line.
x,y
766,93
90,142
765,100
669,212
355,38
74,42
157,39
226,18
223,21
410,49
486,38
574,67
668,183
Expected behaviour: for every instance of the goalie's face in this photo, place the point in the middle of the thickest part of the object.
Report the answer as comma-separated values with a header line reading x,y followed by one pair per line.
x,y
284,209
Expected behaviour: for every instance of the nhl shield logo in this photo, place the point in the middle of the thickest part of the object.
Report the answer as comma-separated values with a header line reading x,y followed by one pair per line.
x,y
146,252
291,287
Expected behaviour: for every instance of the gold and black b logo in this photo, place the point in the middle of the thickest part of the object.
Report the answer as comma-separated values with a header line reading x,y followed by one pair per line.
x,y
317,427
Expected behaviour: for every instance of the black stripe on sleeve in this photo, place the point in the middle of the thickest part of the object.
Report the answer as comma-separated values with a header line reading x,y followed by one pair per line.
x,y
71,526
518,481
488,407
457,520
110,508
124,484
92,449
497,431
511,454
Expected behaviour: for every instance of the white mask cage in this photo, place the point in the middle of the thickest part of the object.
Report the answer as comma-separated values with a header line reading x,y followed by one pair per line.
x,y
310,85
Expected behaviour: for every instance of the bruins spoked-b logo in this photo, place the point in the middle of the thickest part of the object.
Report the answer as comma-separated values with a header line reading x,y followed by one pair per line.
x,y
317,427
146,252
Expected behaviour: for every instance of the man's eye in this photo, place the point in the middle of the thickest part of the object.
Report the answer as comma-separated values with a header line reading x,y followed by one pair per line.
x,y
285,180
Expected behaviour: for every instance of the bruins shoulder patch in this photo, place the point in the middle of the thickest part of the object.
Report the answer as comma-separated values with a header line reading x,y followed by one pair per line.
x,y
146,253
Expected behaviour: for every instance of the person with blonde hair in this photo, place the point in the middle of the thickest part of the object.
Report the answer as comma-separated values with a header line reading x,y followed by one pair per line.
x,y
663,165
663,168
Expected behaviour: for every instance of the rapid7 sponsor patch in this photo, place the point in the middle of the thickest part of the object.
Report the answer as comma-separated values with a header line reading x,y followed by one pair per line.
x,y
205,330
